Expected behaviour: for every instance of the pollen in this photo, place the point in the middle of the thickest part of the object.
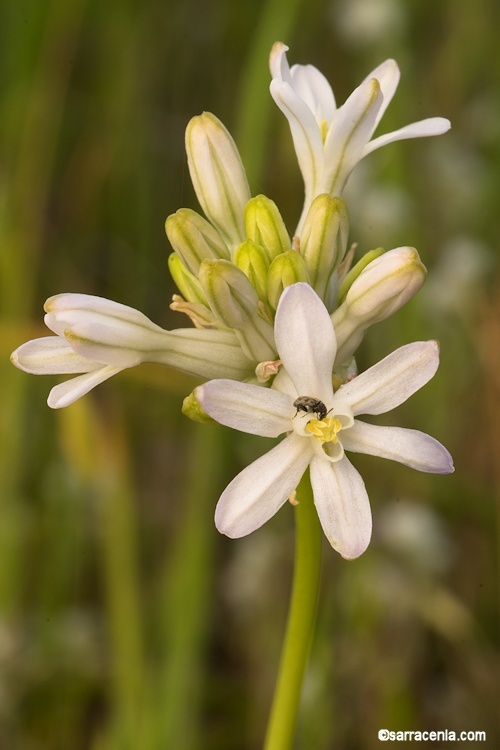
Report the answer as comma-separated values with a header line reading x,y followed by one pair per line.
x,y
325,429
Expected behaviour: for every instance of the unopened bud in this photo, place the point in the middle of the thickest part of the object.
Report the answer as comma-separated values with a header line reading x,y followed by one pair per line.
x,y
353,274
254,263
381,288
323,243
264,225
194,238
235,303
286,269
186,282
218,176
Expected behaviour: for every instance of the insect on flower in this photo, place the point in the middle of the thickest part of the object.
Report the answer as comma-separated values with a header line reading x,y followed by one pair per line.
x,y
310,405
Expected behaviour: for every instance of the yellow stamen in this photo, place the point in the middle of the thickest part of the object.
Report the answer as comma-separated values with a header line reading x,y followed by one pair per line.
x,y
325,429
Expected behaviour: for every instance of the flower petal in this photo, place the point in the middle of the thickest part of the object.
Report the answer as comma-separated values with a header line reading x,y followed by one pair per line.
x,y
305,340
392,380
313,88
278,63
343,506
388,75
206,353
259,491
422,129
306,135
245,407
66,393
351,130
50,355
410,447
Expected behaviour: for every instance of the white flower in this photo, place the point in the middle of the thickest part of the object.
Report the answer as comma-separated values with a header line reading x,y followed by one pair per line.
x,y
329,140
99,338
319,425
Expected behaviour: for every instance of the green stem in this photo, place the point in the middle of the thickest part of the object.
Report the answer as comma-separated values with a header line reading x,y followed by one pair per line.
x,y
301,620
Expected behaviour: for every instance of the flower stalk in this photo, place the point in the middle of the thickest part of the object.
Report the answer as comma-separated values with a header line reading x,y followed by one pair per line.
x,y
301,622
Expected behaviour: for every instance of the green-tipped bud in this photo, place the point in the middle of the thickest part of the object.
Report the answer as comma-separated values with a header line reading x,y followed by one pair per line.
x,y
254,263
323,242
218,176
265,227
186,282
286,269
191,408
381,288
194,238
234,302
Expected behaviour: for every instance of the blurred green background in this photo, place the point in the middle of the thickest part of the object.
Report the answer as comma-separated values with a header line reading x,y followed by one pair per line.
x,y
126,620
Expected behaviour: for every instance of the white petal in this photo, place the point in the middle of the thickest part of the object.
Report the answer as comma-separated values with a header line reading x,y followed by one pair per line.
x,y
422,129
278,64
388,75
305,340
64,309
392,380
313,88
66,393
259,491
306,135
51,355
352,128
343,506
410,447
245,407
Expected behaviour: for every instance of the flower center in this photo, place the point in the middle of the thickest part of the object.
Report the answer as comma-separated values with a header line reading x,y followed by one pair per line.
x,y
325,430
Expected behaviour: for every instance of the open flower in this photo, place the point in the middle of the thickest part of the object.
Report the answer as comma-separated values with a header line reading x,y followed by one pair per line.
x,y
319,426
329,140
98,338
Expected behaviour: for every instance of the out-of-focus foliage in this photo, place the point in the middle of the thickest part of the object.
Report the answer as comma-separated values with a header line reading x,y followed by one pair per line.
x,y
126,621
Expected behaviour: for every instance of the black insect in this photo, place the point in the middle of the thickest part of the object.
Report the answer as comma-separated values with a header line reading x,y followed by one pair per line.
x,y
310,405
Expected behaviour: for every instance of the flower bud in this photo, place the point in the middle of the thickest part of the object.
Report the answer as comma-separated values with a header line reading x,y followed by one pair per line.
x,y
286,269
323,242
381,288
194,238
218,176
186,282
264,225
353,274
235,303
254,263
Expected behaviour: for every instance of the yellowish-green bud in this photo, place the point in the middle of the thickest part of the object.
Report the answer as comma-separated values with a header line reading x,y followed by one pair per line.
x,y
381,288
254,263
286,269
218,176
235,302
194,238
186,282
323,243
191,408
228,291
265,227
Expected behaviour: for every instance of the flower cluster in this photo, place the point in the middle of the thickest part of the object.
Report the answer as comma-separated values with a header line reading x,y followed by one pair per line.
x,y
277,317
